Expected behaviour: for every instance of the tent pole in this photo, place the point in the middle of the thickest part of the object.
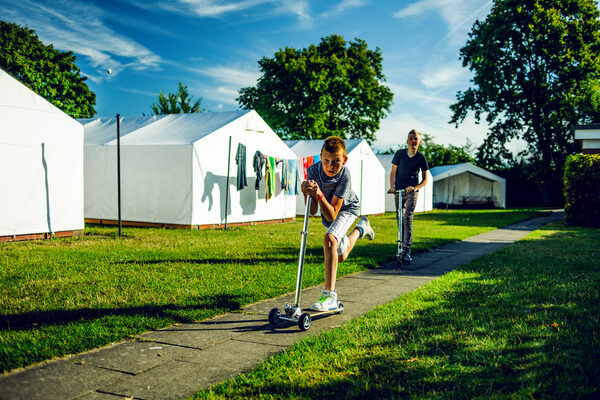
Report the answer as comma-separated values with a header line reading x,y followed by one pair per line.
x,y
119,171
227,182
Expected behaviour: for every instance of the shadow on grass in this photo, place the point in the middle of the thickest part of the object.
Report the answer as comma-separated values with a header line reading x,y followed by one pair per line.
x,y
39,319
474,218
519,324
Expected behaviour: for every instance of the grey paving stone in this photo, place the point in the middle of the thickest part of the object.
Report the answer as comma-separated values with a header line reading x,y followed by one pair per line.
x,y
179,379
132,357
60,379
203,335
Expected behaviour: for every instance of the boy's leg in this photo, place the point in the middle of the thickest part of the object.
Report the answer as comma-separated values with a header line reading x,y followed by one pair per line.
x,y
362,229
330,245
335,234
408,211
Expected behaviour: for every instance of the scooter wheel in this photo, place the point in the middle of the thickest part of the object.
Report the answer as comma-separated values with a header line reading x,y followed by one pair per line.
x,y
340,308
304,322
274,315
399,263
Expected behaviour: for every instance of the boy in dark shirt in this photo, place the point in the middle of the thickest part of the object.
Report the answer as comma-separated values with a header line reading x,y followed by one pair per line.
x,y
405,176
328,182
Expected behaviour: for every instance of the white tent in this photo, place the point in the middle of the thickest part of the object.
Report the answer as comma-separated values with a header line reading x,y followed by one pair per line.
x,y
467,185
365,170
41,159
174,170
425,197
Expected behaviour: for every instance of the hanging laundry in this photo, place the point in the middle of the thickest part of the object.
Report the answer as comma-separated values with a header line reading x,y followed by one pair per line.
x,y
270,178
316,159
284,175
292,177
258,161
240,159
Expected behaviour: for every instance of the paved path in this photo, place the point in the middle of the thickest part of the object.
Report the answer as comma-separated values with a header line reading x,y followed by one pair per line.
x,y
177,361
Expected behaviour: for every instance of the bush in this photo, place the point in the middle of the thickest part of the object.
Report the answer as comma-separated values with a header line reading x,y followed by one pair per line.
x,y
582,190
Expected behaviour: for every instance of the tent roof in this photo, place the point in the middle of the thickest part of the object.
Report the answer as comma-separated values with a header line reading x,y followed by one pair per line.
x,y
306,148
172,129
99,131
446,171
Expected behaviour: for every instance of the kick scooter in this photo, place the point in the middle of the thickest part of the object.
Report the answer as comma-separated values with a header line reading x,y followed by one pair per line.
x,y
295,313
399,261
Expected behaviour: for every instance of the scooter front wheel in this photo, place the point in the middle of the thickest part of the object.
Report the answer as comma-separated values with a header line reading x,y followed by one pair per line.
x,y
304,322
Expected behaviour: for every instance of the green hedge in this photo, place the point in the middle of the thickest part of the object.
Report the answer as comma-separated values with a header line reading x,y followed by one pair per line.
x,y
582,190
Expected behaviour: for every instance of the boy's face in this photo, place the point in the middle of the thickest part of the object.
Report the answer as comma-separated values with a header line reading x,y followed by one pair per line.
x,y
413,141
333,162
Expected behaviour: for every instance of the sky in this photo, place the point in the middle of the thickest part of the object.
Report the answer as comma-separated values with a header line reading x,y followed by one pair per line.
x,y
213,47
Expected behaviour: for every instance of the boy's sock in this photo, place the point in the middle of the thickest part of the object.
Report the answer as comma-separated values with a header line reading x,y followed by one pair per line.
x,y
364,228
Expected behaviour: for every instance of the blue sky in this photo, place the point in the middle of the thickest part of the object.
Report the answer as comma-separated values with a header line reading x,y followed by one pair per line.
x,y
213,47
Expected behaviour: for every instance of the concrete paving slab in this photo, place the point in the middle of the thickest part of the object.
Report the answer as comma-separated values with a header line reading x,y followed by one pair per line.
x,y
132,357
60,379
179,379
205,334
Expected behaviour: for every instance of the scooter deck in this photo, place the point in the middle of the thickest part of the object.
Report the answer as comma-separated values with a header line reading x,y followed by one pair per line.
x,y
314,313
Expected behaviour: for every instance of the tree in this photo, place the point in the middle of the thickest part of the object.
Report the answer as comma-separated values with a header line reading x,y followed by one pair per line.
x,y
177,103
437,154
536,66
334,88
49,72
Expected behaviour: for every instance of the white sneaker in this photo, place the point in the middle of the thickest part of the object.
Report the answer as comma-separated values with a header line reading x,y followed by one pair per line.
x,y
327,302
367,232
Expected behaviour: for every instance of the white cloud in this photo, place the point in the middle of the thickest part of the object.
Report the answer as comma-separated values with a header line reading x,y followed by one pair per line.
x,y
78,27
443,77
344,6
230,76
459,15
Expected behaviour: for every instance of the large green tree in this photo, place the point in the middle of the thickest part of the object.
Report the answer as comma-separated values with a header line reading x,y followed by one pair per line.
x,y
49,72
437,154
334,88
177,103
536,71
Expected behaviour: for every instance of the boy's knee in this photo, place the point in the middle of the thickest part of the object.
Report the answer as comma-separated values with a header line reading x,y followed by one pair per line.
x,y
329,240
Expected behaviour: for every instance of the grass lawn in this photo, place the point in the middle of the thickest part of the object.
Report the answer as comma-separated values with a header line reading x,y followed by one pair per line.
x,y
522,323
65,296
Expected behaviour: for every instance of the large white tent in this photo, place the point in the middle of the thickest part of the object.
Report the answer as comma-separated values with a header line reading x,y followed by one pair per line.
x,y
425,197
174,170
467,185
41,164
366,172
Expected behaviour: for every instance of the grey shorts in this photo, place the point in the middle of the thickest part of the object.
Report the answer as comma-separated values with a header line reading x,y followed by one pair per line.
x,y
338,229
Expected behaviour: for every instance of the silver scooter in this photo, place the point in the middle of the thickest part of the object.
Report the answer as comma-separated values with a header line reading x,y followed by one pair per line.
x,y
295,313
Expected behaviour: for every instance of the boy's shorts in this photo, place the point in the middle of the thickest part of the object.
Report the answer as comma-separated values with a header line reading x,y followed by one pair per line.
x,y
338,229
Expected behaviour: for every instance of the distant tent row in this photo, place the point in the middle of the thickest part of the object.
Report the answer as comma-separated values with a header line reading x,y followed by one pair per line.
x,y
56,171
466,185
174,170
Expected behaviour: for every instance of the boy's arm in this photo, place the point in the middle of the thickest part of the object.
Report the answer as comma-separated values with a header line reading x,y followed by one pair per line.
x,y
329,210
423,180
393,179
309,188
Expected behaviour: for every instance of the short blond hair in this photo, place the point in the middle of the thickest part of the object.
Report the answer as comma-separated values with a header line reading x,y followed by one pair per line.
x,y
416,133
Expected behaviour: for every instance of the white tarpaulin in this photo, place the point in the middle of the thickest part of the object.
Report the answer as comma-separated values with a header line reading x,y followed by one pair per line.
x,y
467,185
41,164
174,170
365,170
425,197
